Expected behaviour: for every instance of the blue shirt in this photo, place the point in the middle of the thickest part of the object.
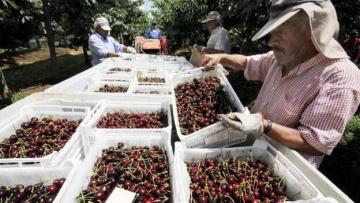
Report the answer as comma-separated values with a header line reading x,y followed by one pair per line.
x,y
100,47
153,33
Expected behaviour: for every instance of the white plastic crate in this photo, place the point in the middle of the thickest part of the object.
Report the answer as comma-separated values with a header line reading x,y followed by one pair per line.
x,y
91,83
104,107
33,175
214,135
320,181
149,90
77,85
155,74
66,102
98,84
116,73
84,171
298,186
121,65
151,68
72,148
113,78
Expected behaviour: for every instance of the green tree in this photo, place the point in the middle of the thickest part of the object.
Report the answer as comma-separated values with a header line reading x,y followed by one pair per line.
x,y
77,19
18,23
180,18
46,8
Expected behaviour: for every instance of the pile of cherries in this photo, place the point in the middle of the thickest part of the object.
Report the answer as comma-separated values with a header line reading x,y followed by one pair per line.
x,y
151,79
38,138
133,120
143,170
199,102
112,89
32,193
234,180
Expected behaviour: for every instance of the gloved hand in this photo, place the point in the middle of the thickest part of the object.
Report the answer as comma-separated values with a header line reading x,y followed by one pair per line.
x,y
248,123
131,50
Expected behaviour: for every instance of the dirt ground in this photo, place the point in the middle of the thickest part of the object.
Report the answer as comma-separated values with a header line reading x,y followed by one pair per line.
x,y
30,71
43,54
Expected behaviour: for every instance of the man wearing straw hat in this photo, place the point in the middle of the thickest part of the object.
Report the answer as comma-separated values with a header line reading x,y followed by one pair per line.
x,y
102,45
310,88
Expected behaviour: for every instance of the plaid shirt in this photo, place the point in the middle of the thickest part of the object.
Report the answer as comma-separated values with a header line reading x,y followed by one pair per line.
x,y
318,97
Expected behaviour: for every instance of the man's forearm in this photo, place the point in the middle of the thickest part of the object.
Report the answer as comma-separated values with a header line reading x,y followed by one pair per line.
x,y
236,62
212,51
292,139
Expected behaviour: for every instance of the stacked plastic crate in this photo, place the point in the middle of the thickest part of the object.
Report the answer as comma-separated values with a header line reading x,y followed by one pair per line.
x,y
127,106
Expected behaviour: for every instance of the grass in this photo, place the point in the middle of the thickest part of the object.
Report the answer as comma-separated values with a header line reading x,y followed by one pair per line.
x,y
18,96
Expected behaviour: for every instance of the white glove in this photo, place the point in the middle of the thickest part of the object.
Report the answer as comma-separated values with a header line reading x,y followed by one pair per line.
x,y
131,50
248,123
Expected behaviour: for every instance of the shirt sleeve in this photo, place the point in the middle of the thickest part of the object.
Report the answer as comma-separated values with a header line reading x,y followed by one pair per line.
x,y
147,33
97,47
117,46
323,122
223,37
257,66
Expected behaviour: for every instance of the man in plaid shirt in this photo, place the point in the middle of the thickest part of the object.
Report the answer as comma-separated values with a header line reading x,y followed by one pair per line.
x,y
310,88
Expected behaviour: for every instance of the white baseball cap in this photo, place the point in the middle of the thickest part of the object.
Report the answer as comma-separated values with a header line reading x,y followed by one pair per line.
x,y
103,23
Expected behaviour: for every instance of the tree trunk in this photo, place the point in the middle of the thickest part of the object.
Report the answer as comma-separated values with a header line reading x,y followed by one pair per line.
x,y
49,31
86,56
84,44
4,90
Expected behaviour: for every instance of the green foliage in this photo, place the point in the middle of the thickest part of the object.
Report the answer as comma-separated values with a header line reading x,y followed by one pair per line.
x,y
354,125
180,19
19,21
77,17
352,131
349,16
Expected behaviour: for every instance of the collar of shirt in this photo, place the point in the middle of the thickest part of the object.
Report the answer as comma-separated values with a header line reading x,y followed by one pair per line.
x,y
307,64
101,37
215,30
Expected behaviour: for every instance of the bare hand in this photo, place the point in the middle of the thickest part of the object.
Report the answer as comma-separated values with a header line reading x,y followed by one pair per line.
x,y
210,60
199,48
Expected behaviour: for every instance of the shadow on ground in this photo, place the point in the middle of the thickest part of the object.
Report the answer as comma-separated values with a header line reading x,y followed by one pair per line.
x,y
43,72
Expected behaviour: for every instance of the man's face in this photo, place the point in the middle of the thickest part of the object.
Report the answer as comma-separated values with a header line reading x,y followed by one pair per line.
x,y
211,25
103,33
290,40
